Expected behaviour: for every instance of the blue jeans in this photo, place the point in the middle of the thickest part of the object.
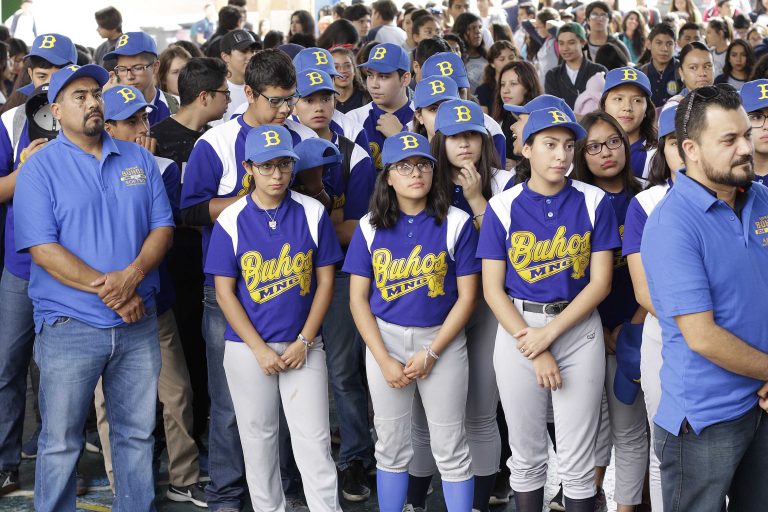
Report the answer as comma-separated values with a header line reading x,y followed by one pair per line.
x,y
17,336
72,356
728,458
345,352
227,488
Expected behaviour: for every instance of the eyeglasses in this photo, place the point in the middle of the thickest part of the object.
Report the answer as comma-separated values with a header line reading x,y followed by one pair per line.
x,y
598,15
277,101
595,148
135,69
406,169
284,166
226,92
706,93
756,119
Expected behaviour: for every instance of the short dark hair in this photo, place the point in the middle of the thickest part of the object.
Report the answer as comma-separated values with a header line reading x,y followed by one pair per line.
x,y
192,48
421,21
662,29
273,38
695,45
597,5
229,18
109,18
5,34
688,25
611,56
457,40
356,11
428,47
741,21
200,74
270,68
726,98
34,62
386,9
237,3
340,31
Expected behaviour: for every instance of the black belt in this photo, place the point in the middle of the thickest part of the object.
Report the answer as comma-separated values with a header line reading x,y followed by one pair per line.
x,y
552,309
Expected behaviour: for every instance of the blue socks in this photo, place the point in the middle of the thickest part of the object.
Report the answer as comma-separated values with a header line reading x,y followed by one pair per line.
x,y
459,495
391,489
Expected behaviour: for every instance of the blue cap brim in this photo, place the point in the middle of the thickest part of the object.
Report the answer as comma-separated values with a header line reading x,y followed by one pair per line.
x,y
515,109
265,156
127,112
318,89
402,155
89,70
27,89
323,162
380,67
578,132
624,388
456,128
640,86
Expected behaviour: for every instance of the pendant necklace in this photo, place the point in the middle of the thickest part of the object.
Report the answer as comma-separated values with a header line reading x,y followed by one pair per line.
x,y
272,220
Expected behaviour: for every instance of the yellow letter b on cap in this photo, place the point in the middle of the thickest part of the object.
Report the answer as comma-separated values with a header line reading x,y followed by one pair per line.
x,y
127,94
314,78
558,116
445,67
462,114
763,91
47,42
272,138
438,87
379,54
630,74
122,41
320,57
409,142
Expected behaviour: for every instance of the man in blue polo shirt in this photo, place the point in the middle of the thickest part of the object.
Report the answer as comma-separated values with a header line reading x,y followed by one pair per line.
x,y
137,65
93,214
705,252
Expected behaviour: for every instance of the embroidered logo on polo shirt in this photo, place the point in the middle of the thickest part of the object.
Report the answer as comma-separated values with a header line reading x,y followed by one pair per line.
x,y
133,176
266,279
535,260
376,154
761,225
619,260
428,270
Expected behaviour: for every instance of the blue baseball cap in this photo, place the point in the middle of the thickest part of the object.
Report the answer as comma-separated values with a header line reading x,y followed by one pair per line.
x,y
57,49
268,141
433,89
388,58
626,382
315,58
121,102
627,76
551,118
667,119
290,49
459,116
316,152
310,81
754,95
62,77
447,64
403,145
541,102
133,43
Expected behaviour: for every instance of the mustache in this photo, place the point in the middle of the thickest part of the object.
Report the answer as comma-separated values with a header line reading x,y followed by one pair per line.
x,y
93,111
746,159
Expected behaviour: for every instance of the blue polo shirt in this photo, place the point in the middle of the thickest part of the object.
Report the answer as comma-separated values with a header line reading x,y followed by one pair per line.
x,y
699,256
100,211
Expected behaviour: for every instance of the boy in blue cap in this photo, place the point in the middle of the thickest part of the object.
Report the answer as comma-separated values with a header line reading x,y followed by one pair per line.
x,y
48,54
137,65
215,178
96,238
126,118
349,186
754,97
388,73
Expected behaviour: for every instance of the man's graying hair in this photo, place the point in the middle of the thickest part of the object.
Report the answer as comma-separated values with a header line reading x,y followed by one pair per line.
x,y
726,97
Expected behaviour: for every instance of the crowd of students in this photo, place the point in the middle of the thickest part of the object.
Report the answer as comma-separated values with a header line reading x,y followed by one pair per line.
x,y
460,218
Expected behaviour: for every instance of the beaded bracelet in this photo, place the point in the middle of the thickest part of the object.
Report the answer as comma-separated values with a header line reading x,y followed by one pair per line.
x,y
429,353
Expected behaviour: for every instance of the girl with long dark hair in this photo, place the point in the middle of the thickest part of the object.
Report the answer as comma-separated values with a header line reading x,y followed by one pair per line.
x,y
500,54
469,27
739,64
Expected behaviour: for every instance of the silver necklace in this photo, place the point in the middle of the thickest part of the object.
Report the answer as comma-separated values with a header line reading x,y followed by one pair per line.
x,y
272,220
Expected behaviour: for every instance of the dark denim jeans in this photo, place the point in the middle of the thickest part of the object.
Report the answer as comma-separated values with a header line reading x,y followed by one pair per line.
x,y
728,458
226,468
17,337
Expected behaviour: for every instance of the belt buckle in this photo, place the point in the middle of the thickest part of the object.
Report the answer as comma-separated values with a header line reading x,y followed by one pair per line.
x,y
555,308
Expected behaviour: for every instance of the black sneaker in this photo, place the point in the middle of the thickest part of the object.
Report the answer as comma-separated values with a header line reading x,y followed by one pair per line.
x,y
557,501
354,483
9,482
501,490
194,494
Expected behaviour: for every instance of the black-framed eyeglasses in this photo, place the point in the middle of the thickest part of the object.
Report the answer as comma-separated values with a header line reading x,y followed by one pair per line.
x,y
225,92
595,148
268,169
706,93
136,69
756,119
406,169
277,101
